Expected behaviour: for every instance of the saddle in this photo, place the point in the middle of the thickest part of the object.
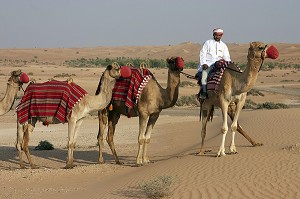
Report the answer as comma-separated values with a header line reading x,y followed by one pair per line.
x,y
215,75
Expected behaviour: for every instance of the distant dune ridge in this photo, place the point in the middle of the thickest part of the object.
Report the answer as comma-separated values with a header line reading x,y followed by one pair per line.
x,y
289,53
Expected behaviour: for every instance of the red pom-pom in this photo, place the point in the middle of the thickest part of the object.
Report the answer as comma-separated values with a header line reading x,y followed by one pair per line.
x,y
125,71
24,78
272,52
179,63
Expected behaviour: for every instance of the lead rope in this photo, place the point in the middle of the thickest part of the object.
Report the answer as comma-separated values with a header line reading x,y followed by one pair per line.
x,y
189,76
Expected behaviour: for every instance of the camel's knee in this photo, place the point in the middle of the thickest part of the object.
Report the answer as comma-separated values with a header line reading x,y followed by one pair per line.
x,y
147,141
71,145
142,141
224,130
234,128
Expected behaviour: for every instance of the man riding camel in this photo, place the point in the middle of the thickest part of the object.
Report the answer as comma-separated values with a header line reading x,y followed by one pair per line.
x,y
212,50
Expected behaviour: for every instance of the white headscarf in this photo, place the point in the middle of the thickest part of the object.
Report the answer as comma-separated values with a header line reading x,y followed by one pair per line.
x,y
218,30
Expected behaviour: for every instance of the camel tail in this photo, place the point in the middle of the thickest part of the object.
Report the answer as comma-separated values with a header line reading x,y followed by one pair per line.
x,y
211,112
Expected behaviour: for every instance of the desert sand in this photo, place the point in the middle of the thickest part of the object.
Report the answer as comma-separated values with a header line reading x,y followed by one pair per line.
x,y
268,171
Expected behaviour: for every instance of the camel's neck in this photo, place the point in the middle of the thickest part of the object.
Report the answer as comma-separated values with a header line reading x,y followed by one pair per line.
x,y
170,94
9,98
249,76
101,100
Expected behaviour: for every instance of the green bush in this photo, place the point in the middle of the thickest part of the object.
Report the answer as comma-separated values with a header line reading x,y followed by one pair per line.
x,y
187,101
272,105
187,83
44,145
255,92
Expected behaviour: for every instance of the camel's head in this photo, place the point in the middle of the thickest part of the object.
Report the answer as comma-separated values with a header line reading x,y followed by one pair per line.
x,y
175,63
116,71
261,50
19,77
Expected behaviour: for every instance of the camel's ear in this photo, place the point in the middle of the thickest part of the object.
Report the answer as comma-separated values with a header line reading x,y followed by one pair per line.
x,y
171,59
16,72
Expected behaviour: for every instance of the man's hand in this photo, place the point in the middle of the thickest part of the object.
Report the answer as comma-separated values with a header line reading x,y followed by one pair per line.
x,y
204,66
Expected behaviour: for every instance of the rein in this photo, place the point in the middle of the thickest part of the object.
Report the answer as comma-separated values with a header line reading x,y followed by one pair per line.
x,y
234,70
188,75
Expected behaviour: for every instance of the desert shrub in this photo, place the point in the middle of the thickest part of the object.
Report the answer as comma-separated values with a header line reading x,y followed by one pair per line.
x,y
249,104
44,145
255,92
187,83
272,105
287,80
64,75
158,187
187,101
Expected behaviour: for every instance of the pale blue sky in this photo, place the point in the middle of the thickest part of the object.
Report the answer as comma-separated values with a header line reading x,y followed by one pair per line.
x,y
91,23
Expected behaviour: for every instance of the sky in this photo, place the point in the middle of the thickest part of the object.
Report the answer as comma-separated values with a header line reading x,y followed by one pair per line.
x,y
92,23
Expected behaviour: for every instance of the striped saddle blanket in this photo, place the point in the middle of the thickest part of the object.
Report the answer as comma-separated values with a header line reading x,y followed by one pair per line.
x,y
129,89
215,75
49,99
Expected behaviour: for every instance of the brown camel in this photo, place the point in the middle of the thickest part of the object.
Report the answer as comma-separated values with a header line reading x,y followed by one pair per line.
x,y
14,84
232,94
80,110
152,100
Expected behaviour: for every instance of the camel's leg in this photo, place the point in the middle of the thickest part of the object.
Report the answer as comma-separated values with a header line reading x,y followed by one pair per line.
x,y
19,143
205,117
102,117
73,128
151,122
27,133
224,129
238,109
231,113
143,119
112,122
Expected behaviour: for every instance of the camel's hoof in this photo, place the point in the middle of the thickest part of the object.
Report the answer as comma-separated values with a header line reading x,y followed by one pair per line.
x,y
233,153
200,153
257,144
119,163
70,166
34,167
101,161
139,165
220,155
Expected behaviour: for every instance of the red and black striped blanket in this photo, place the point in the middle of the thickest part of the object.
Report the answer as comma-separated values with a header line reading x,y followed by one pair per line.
x,y
49,99
215,75
129,89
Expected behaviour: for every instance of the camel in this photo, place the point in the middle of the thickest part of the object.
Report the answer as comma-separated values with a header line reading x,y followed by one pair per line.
x,y
152,100
232,95
15,82
80,110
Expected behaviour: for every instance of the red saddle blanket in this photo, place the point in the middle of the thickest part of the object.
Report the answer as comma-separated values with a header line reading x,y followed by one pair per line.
x,y
215,75
129,89
49,99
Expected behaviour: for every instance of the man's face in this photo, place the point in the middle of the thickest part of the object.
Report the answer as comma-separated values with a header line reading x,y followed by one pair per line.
x,y
217,36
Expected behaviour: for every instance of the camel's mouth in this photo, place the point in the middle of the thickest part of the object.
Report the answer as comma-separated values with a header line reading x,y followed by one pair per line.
x,y
272,52
125,71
